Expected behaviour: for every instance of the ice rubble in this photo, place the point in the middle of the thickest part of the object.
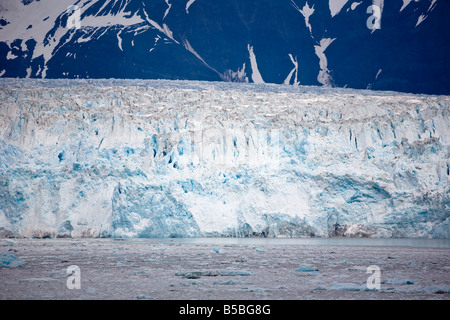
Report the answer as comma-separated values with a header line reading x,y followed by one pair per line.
x,y
149,158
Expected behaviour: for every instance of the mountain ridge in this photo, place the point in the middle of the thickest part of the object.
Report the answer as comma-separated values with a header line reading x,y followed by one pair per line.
x,y
293,42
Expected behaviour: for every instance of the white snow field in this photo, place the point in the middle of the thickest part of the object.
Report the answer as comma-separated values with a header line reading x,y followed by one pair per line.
x,y
159,158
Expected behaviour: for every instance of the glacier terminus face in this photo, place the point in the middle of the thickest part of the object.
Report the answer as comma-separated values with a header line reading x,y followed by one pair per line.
x,y
161,158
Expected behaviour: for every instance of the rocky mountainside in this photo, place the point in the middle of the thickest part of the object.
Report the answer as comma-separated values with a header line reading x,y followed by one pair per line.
x,y
399,45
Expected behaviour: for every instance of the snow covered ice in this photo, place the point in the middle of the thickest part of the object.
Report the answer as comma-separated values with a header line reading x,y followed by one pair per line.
x,y
158,158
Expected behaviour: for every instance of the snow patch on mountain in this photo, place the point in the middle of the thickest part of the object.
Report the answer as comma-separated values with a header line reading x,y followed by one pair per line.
x,y
424,16
188,4
236,76
336,6
294,72
119,40
163,29
256,75
355,4
306,12
405,4
49,32
169,5
324,74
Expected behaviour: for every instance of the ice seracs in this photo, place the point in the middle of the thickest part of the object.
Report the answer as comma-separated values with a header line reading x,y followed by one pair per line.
x,y
142,158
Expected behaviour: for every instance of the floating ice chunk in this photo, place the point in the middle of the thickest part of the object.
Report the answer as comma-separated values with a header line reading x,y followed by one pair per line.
x,y
37,279
213,273
320,288
231,282
345,286
398,281
242,273
307,269
437,289
8,260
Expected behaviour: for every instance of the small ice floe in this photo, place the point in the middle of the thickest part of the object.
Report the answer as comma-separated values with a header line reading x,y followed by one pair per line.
x,y
193,275
37,279
398,281
186,284
241,273
437,289
346,287
126,265
231,282
216,250
320,288
321,285
213,273
260,250
143,297
8,260
307,269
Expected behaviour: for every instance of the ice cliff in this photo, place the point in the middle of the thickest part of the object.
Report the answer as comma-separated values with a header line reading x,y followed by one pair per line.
x,y
186,159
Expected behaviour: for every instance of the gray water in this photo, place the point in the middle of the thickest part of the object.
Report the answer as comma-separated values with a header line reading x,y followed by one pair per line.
x,y
226,268
413,242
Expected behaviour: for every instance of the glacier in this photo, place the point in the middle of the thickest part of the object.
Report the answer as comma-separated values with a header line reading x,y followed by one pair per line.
x,y
173,158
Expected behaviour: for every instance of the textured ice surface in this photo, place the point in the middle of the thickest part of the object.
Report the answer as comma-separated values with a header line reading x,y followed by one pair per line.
x,y
136,158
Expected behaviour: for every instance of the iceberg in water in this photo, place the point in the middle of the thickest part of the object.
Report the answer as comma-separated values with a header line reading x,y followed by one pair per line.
x,y
148,158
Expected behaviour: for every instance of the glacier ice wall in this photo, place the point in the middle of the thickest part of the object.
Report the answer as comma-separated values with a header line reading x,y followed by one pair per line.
x,y
187,159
